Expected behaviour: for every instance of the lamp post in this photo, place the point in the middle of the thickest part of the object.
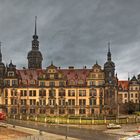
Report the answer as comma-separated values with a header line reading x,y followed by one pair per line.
x,y
101,97
66,120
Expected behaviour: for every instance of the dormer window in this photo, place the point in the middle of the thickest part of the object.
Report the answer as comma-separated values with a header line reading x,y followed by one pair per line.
x,y
93,75
24,82
72,82
32,82
11,73
51,76
80,82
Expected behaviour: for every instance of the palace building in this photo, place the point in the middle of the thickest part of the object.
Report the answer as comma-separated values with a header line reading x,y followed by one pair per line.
x,y
57,91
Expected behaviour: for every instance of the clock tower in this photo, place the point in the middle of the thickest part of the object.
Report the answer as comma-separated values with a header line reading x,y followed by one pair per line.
x,y
34,56
110,84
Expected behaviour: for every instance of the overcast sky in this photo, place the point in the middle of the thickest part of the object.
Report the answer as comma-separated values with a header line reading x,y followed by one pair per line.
x,y
73,32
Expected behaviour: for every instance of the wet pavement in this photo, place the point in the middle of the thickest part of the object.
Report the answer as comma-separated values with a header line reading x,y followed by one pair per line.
x,y
67,131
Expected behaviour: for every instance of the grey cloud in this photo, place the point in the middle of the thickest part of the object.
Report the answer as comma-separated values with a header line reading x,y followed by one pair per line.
x,y
73,32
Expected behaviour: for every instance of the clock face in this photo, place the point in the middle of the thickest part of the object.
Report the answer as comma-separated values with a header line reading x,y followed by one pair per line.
x,y
110,81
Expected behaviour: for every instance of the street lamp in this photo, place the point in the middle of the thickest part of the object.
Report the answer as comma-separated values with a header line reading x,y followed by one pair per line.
x,y
66,120
101,97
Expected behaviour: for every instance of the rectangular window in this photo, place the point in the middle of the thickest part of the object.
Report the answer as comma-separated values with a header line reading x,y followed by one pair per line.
x,y
131,95
34,102
7,82
71,102
92,101
42,102
25,92
42,84
52,84
82,92
51,102
52,92
6,93
14,82
61,102
61,83
61,111
34,92
12,101
82,102
23,101
30,93
61,92
32,111
31,102
42,92
10,73
6,101
82,111
21,93
71,92
13,92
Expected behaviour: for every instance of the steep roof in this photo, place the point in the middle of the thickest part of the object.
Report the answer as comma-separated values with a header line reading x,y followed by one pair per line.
x,y
76,74
123,85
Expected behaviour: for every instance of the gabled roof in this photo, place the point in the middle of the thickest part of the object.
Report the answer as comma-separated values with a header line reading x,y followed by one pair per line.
x,y
134,78
123,84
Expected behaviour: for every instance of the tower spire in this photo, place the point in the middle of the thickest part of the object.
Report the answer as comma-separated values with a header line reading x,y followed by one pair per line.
x,y
35,25
35,36
108,46
96,62
109,53
35,42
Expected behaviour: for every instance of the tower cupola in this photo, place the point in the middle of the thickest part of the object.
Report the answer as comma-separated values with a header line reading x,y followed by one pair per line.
x,y
34,56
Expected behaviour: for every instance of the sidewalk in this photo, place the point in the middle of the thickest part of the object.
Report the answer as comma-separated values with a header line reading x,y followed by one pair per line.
x,y
38,135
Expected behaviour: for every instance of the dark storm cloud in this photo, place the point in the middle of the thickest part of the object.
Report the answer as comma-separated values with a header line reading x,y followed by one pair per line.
x,y
73,32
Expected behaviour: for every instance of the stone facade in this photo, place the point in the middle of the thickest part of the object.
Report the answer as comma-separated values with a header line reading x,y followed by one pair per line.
x,y
56,91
